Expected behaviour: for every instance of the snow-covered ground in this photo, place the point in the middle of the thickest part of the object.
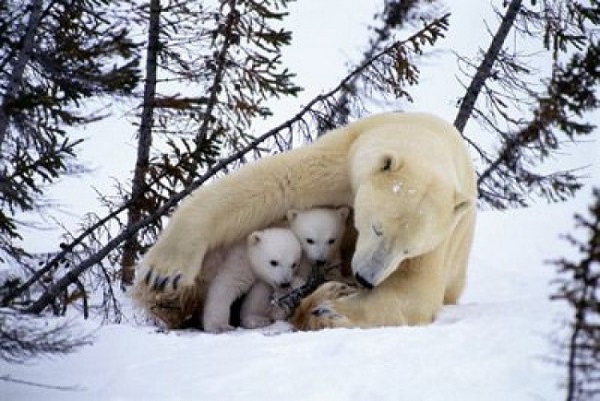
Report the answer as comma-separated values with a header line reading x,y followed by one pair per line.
x,y
495,345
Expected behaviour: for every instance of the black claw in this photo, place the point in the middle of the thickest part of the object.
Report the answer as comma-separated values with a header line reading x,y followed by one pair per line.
x,y
176,281
318,312
324,311
161,284
148,277
157,280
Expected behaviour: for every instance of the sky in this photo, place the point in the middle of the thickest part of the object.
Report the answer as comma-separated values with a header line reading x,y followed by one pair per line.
x,y
494,345
328,37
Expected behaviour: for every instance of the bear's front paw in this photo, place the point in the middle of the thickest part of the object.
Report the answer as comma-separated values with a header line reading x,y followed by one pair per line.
x,y
160,282
318,310
320,317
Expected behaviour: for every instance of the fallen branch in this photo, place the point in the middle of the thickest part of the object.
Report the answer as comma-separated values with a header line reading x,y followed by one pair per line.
x,y
292,299
54,290
66,249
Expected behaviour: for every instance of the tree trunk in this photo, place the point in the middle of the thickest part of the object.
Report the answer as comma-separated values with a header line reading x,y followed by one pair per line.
x,y
23,57
221,60
131,246
485,68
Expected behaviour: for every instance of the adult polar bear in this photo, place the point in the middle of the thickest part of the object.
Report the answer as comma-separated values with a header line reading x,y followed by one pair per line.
x,y
413,188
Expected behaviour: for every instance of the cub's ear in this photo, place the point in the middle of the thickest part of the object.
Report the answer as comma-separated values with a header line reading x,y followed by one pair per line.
x,y
461,204
388,162
343,211
254,238
291,215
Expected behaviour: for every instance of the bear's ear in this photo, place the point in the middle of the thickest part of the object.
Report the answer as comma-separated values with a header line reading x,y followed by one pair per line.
x,y
254,238
388,162
461,204
291,215
344,211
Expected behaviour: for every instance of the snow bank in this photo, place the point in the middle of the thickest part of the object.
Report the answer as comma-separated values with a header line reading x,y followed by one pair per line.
x,y
495,345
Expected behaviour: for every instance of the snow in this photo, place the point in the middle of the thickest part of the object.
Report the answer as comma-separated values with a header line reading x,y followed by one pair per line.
x,y
495,345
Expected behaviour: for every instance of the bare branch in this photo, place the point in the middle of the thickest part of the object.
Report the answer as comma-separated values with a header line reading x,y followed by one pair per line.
x,y
413,41
485,68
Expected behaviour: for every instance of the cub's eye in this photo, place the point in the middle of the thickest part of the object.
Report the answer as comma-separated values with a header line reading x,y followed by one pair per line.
x,y
274,263
310,241
294,265
331,241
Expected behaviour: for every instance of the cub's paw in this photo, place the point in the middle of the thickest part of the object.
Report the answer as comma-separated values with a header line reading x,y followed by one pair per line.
x,y
217,328
277,312
254,322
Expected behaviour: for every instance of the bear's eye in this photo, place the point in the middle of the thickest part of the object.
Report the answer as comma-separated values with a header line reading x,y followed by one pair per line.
x,y
294,265
331,241
310,241
274,263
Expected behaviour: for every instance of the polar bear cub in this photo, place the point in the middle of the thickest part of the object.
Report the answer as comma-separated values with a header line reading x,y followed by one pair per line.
x,y
270,257
320,232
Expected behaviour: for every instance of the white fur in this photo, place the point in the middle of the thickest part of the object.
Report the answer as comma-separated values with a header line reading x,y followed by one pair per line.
x,y
320,232
412,246
269,257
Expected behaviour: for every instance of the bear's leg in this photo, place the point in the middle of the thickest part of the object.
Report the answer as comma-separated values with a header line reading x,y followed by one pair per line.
x,y
222,292
459,254
255,309
408,297
455,289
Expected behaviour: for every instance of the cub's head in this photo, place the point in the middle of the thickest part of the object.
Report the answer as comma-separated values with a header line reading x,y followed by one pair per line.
x,y
403,209
320,231
274,255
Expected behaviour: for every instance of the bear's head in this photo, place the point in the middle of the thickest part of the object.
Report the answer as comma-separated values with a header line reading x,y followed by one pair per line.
x,y
274,255
404,208
320,231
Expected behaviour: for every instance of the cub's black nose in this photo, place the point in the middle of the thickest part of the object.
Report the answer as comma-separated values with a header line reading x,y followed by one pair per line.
x,y
320,263
363,282
284,285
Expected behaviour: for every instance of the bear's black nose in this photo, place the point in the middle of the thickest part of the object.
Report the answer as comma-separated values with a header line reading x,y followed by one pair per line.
x,y
320,263
284,285
363,282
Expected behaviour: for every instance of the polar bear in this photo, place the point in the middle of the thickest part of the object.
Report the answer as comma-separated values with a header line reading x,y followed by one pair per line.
x,y
321,232
267,260
411,183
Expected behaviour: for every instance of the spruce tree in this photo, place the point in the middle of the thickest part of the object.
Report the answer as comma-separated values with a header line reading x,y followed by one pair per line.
x,y
55,56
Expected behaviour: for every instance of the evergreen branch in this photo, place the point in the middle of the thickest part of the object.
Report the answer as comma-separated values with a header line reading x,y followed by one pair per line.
x,y
26,337
484,71
227,33
60,256
16,78
55,289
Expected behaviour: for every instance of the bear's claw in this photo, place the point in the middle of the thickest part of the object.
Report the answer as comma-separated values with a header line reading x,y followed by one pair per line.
x,y
158,283
175,281
324,311
148,277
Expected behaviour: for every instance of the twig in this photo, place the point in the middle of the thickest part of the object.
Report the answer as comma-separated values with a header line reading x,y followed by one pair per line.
x,y
60,256
485,68
7,378
55,289
292,299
